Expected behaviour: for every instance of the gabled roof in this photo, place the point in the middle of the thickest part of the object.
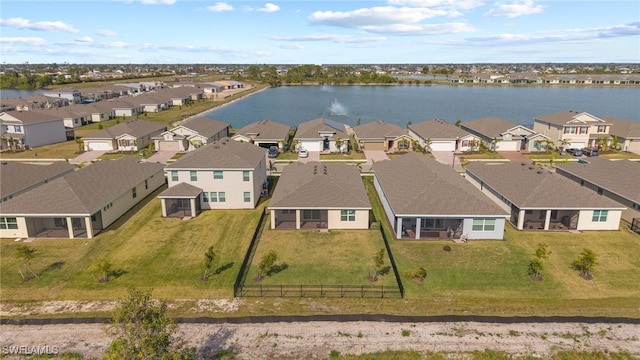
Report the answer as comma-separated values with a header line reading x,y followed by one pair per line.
x,y
320,185
489,126
620,177
137,128
17,176
84,191
205,126
312,129
71,111
222,154
623,128
181,190
437,129
378,129
28,117
570,117
264,130
417,185
529,186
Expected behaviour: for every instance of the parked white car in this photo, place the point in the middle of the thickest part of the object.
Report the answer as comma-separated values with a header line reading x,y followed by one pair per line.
x,y
303,153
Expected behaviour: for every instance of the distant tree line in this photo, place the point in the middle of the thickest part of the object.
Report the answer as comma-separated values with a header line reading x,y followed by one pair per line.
x,y
316,74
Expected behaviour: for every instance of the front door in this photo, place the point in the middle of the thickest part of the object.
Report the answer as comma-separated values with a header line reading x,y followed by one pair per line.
x,y
325,144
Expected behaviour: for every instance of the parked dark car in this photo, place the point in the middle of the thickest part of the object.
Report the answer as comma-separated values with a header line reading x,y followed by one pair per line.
x,y
590,152
273,152
574,152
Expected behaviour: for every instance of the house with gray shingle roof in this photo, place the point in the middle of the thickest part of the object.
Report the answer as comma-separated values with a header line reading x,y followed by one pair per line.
x,y
131,135
439,135
321,135
264,133
539,199
502,135
18,177
381,135
617,180
30,129
82,203
191,135
73,116
224,174
424,199
628,133
317,195
576,128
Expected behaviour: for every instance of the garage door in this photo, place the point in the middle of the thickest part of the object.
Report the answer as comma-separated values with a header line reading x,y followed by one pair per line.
x,y
98,146
374,146
508,146
577,145
168,146
311,145
442,146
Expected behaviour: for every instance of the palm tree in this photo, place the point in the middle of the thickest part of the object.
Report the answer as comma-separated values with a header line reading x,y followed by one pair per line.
x,y
604,143
615,143
563,143
494,144
427,144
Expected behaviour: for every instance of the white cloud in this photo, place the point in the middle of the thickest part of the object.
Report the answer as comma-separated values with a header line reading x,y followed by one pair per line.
x,y
105,32
157,2
20,23
34,41
444,4
515,9
329,37
290,46
85,39
220,7
269,8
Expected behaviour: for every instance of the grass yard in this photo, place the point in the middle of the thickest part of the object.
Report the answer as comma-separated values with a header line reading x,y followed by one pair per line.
x,y
353,155
483,155
310,257
147,250
620,155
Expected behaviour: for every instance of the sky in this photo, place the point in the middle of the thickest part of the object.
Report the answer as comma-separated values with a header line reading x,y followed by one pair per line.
x,y
319,32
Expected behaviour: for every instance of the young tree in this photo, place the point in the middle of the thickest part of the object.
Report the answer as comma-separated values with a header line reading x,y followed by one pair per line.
x,y
615,143
536,265
378,261
209,256
141,329
585,263
494,144
103,269
25,254
266,263
458,122
427,144
80,145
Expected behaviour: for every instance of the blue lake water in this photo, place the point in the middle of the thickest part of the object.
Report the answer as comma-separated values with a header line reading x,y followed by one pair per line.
x,y
400,104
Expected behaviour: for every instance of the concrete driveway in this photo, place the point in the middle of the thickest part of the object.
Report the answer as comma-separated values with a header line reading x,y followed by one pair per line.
x,y
161,157
313,156
515,156
87,156
448,158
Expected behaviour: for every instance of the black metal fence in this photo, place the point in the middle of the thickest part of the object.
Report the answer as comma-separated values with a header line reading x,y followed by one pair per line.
x,y
392,260
242,274
334,291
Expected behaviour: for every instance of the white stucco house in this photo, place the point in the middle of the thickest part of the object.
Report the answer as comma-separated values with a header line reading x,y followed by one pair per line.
x,y
131,135
30,129
322,135
191,135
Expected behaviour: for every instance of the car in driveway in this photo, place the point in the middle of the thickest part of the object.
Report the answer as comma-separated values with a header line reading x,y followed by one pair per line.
x,y
273,152
589,152
574,152
303,153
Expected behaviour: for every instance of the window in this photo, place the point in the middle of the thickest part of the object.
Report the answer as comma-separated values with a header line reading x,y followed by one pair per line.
x,y
311,214
247,196
217,174
213,197
205,197
484,225
197,143
8,223
347,215
554,214
602,128
134,194
583,129
245,175
432,223
18,128
570,130
174,176
403,144
222,196
60,222
600,215
126,143
194,175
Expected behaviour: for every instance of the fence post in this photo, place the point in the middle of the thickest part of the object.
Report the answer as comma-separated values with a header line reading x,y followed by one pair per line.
x,y
280,290
260,290
361,290
382,288
300,290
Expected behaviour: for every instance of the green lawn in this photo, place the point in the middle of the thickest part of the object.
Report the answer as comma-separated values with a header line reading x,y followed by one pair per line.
x,y
353,155
483,155
310,257
620,155
546,156
149,251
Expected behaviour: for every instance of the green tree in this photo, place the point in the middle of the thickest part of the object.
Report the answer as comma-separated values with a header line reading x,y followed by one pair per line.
x,y
141,329
103,269
378,262
615,143
458,123
535,269
209,257
25,254
266,263
586,263
427,144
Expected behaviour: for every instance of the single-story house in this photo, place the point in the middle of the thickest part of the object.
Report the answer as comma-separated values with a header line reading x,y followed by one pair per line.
x,y
152,102
224,174
72,94
82,203
317,195
322,135
100,111
381,135
264,133
73,116
30,129
424,199
500,135
131,135
539,199
439,135
18,177
191,135
125,107
627,132
617,180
